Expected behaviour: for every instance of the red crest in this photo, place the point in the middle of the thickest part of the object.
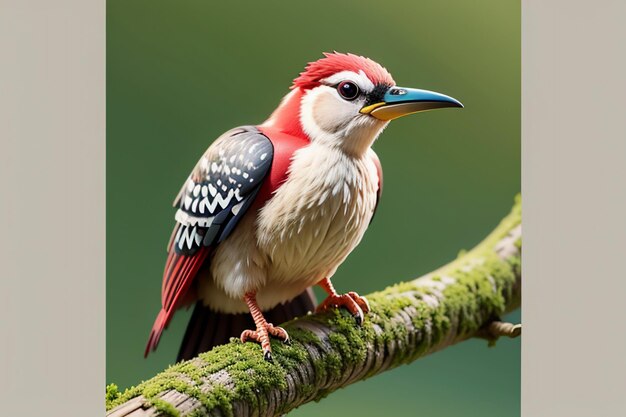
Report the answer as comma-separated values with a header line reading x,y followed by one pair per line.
x,y
335,62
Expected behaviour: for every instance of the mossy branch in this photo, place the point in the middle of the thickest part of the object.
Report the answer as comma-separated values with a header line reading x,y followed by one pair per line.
x,y
407,321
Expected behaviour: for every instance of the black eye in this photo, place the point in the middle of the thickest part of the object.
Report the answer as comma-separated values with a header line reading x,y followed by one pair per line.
x,y
348,90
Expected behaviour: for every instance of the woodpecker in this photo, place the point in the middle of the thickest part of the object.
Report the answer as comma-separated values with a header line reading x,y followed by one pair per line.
x,y
271,210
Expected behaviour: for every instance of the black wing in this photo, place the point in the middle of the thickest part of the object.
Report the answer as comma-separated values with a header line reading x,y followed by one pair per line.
x,y
220,189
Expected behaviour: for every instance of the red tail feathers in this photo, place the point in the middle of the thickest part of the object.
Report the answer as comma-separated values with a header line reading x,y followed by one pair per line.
x,y
155,334
180,271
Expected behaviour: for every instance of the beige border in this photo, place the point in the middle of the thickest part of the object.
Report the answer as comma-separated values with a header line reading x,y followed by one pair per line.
x,y
574,189
52,136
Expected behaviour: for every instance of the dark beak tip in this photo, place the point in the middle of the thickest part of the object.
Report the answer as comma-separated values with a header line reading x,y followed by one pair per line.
x,y
453,105
456,103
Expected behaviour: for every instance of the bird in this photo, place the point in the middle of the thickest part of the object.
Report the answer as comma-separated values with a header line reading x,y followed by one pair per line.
x,y
271,210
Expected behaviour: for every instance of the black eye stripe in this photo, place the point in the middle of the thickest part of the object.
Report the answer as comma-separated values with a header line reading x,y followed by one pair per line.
x,y
377,94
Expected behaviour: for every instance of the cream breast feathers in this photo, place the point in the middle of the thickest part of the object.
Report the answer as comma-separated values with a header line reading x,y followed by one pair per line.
x,y
319,214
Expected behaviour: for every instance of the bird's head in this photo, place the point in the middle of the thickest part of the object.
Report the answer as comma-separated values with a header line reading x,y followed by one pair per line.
x,y
346,100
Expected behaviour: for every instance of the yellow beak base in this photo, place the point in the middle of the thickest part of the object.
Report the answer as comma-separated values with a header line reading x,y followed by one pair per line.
x,y
386,112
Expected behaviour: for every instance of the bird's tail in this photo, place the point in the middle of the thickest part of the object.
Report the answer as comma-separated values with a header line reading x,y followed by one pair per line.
x,y
155,334
208,328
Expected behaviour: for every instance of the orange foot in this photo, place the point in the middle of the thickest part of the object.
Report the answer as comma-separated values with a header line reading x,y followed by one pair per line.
x,y
262,335
353,302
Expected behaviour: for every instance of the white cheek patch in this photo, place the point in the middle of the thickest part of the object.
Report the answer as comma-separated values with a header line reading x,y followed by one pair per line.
x,y
360,79
332,114
331,121
308,118
326,117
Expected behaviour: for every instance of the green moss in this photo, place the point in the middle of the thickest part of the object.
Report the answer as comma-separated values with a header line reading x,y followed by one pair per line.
x,y
165,408
112,394
196,413
305,390
244,365
331,364
348,338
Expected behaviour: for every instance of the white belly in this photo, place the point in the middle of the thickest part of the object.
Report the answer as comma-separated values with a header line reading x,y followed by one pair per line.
x,y
305,231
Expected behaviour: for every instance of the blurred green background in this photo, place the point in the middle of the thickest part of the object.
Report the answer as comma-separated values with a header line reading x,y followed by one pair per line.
x,y
181,73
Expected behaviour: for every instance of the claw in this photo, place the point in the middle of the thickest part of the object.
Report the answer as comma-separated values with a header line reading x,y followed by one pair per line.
x,y
361,301
352,301
262,335
263,329
277,331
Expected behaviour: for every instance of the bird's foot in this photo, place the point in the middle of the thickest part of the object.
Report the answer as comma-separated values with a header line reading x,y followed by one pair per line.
x,y
262,335
353,302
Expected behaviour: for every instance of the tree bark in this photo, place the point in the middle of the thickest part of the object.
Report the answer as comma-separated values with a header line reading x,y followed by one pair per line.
x,y
408,320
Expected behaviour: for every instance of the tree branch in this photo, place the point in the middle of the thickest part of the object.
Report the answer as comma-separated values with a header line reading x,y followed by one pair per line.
x,y
408,320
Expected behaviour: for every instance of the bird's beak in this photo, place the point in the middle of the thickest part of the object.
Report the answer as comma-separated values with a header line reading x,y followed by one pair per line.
x,y
400,101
